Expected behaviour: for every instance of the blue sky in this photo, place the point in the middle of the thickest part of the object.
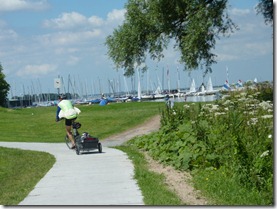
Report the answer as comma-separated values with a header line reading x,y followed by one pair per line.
x,y
41,39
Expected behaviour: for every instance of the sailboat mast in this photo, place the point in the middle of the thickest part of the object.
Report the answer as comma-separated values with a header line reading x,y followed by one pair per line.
x,y
139,88
178,81
227,73
168,79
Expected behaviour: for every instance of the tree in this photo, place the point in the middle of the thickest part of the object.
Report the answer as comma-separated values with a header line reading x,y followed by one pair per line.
x,y
266,8
4,88
151,24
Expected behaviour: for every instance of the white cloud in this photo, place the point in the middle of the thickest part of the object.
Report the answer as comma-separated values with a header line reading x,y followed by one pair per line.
x,y
65,50
8,41
74,28
73,60
252,40
244,49
15,5
96,21
2,23
240,12
7,34
36,70
226,57
116,15
66,21
260,49
67,38
76,20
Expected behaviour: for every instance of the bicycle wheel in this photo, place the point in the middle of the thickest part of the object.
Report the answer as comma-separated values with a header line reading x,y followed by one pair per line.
x,y
68,142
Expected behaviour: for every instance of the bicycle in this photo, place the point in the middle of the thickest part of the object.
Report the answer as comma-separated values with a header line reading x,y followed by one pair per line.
x,y
83,142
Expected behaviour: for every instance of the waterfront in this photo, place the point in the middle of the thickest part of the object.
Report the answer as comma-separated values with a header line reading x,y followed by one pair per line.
x,y
203,98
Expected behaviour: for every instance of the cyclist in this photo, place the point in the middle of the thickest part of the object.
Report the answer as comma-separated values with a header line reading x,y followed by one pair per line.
x,y
66,110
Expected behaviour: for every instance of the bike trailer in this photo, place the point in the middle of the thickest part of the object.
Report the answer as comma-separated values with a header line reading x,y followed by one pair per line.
x,y
86,142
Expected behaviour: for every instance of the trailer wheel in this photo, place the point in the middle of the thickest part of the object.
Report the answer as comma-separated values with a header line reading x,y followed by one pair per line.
x,y
77,150
99,147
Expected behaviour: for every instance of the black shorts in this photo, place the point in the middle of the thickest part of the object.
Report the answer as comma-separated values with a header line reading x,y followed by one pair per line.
x,y
68,122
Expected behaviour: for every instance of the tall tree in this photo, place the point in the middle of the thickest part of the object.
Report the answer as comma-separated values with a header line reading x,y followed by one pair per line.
x,y
266,8
151,24
4,88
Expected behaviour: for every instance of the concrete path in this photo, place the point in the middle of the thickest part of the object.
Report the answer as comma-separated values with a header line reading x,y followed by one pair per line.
x,y
89,179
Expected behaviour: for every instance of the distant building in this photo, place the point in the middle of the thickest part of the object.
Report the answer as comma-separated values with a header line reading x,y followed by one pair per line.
x,y
12,103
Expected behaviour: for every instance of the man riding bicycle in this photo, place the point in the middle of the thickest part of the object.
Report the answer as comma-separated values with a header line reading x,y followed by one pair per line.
x,y
66,110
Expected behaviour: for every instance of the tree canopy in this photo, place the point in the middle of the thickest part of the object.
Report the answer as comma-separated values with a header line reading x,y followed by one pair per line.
x,y
4,87
266,8
150,25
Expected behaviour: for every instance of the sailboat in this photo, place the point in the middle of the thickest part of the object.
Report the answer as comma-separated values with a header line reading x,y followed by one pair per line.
x,y
202,90
255,80
158,93
192,89
226,86
210,90
209,85
239,84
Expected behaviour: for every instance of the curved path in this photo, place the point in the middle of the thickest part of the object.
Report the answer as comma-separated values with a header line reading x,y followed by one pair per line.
x,y
89,179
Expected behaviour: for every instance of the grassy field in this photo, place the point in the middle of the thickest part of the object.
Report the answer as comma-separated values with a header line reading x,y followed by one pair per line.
x,y
38,124
21,170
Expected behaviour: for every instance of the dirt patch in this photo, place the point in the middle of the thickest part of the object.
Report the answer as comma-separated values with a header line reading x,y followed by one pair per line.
x,y
178,181
153,124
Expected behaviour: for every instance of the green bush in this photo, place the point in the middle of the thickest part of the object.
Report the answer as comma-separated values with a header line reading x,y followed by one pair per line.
x,y
265,90
234,134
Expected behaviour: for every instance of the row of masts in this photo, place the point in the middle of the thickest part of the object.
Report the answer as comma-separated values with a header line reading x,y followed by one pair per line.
x,y
86,88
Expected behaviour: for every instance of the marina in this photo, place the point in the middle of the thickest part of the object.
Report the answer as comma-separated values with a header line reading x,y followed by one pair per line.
x,y
101,99
77,92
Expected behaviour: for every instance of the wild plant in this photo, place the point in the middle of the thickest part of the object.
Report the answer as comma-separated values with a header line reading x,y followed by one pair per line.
x,y
234,133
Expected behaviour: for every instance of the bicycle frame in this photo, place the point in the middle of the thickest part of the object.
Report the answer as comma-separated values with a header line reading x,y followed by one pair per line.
x,y
75,129
75,134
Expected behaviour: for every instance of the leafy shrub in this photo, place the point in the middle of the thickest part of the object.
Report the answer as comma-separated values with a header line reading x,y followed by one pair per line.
x,y
234,133
265,91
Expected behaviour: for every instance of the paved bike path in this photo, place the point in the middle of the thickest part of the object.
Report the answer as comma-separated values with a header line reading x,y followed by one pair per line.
x,y
89,179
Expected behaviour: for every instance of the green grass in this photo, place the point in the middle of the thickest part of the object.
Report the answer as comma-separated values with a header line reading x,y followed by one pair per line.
x,y
216,185
20,171
38,124
152,185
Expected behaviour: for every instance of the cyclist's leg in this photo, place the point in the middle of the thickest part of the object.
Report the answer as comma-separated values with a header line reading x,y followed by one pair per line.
x,y
68,124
